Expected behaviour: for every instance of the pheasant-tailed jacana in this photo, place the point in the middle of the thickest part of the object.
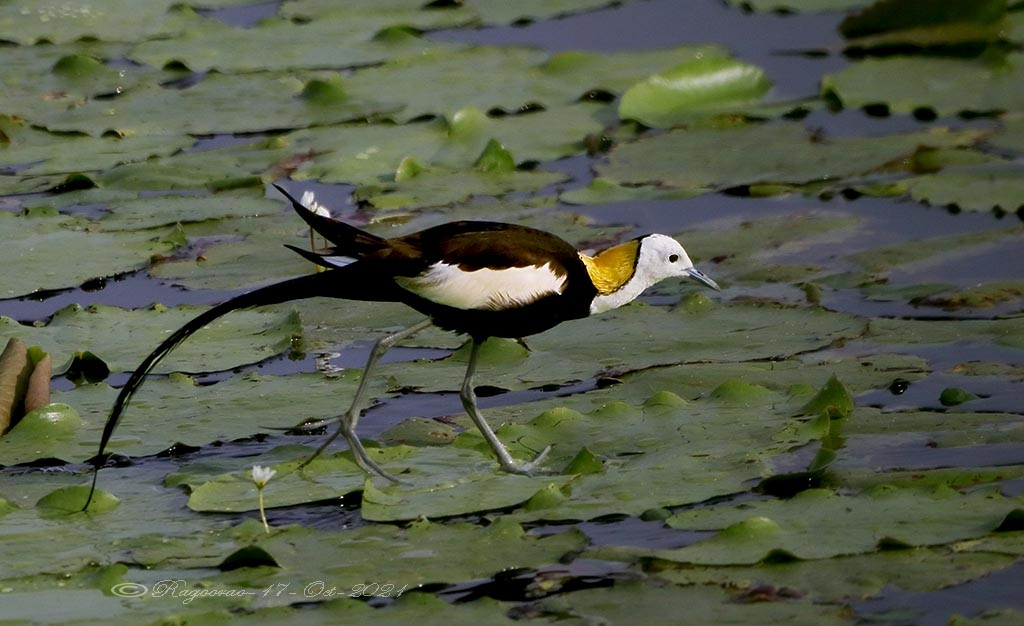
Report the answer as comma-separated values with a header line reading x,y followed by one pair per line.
x,y
482,279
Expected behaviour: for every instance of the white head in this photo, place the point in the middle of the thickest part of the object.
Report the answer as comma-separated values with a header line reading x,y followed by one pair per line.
x,y
659,257
663,257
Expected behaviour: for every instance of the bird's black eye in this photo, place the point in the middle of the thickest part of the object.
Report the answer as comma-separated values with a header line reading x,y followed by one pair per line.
x,y
673,258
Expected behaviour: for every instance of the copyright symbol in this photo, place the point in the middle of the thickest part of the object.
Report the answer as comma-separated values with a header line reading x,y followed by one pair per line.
x,y
129,590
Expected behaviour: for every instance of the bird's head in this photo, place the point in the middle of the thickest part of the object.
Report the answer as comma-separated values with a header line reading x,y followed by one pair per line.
x,y
661,257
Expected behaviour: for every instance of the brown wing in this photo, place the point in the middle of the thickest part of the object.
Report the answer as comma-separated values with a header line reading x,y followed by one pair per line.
x,y
476,245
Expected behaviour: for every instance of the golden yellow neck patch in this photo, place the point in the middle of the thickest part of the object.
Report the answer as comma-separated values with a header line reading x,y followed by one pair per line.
x,y
612,267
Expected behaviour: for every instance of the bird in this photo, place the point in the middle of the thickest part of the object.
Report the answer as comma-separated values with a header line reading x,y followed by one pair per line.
x,y
476,278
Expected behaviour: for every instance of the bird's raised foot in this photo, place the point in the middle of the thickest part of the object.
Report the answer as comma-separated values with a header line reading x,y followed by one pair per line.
x,y
526,469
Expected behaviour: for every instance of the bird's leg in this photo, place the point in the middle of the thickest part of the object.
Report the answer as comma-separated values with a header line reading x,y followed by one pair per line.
x,y
347,426
469,403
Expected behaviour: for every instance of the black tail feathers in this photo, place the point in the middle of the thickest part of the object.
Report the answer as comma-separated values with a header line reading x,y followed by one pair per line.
x,y
322,284
348,240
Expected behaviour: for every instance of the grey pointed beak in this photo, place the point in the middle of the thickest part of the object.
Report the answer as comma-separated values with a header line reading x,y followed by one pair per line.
x,y
698,275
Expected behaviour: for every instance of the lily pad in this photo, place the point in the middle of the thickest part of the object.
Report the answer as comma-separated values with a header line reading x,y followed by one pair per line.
x,y
70,500
928,23
197,415
367,154
971,191
709,84
110,20
123,337
150,212
845,578
509,78
35,152
66,252
220,103
666,604
905,84
755,531
702,158
346,41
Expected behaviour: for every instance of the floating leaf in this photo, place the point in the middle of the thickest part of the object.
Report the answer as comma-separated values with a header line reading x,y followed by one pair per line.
x,y
757,529
220,103
925,22
971,190
905,84
652,603
70,500
700,158
952,396
111,20
130,334
700,86
834,399
68,253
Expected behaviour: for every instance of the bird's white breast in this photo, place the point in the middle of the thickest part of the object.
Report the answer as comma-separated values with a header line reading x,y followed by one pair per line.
x,y
489,289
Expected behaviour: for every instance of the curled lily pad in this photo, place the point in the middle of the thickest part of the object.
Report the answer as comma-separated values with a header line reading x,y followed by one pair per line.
x,y
699,86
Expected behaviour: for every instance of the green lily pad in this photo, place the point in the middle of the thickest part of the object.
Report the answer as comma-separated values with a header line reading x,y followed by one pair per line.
x,y
757,530
220,103
604,191
44,426
45,153
110,20
123,337
345,41
971,190
368,154
667,604
952,396
701,158
983,296
710,84
904,84
833,399
845,578
143,213
66,252
1004,332
439,188
509,78
925,23
198,415
982,368
932,251
954,478
70,500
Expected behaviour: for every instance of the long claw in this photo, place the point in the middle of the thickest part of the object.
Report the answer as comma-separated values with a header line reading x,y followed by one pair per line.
x,y
526,469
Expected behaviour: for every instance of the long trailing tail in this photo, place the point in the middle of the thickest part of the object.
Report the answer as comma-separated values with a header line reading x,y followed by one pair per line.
x,y
329,284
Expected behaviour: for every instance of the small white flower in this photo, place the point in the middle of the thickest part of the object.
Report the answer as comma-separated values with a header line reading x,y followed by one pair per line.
x,y
309,201
262,475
